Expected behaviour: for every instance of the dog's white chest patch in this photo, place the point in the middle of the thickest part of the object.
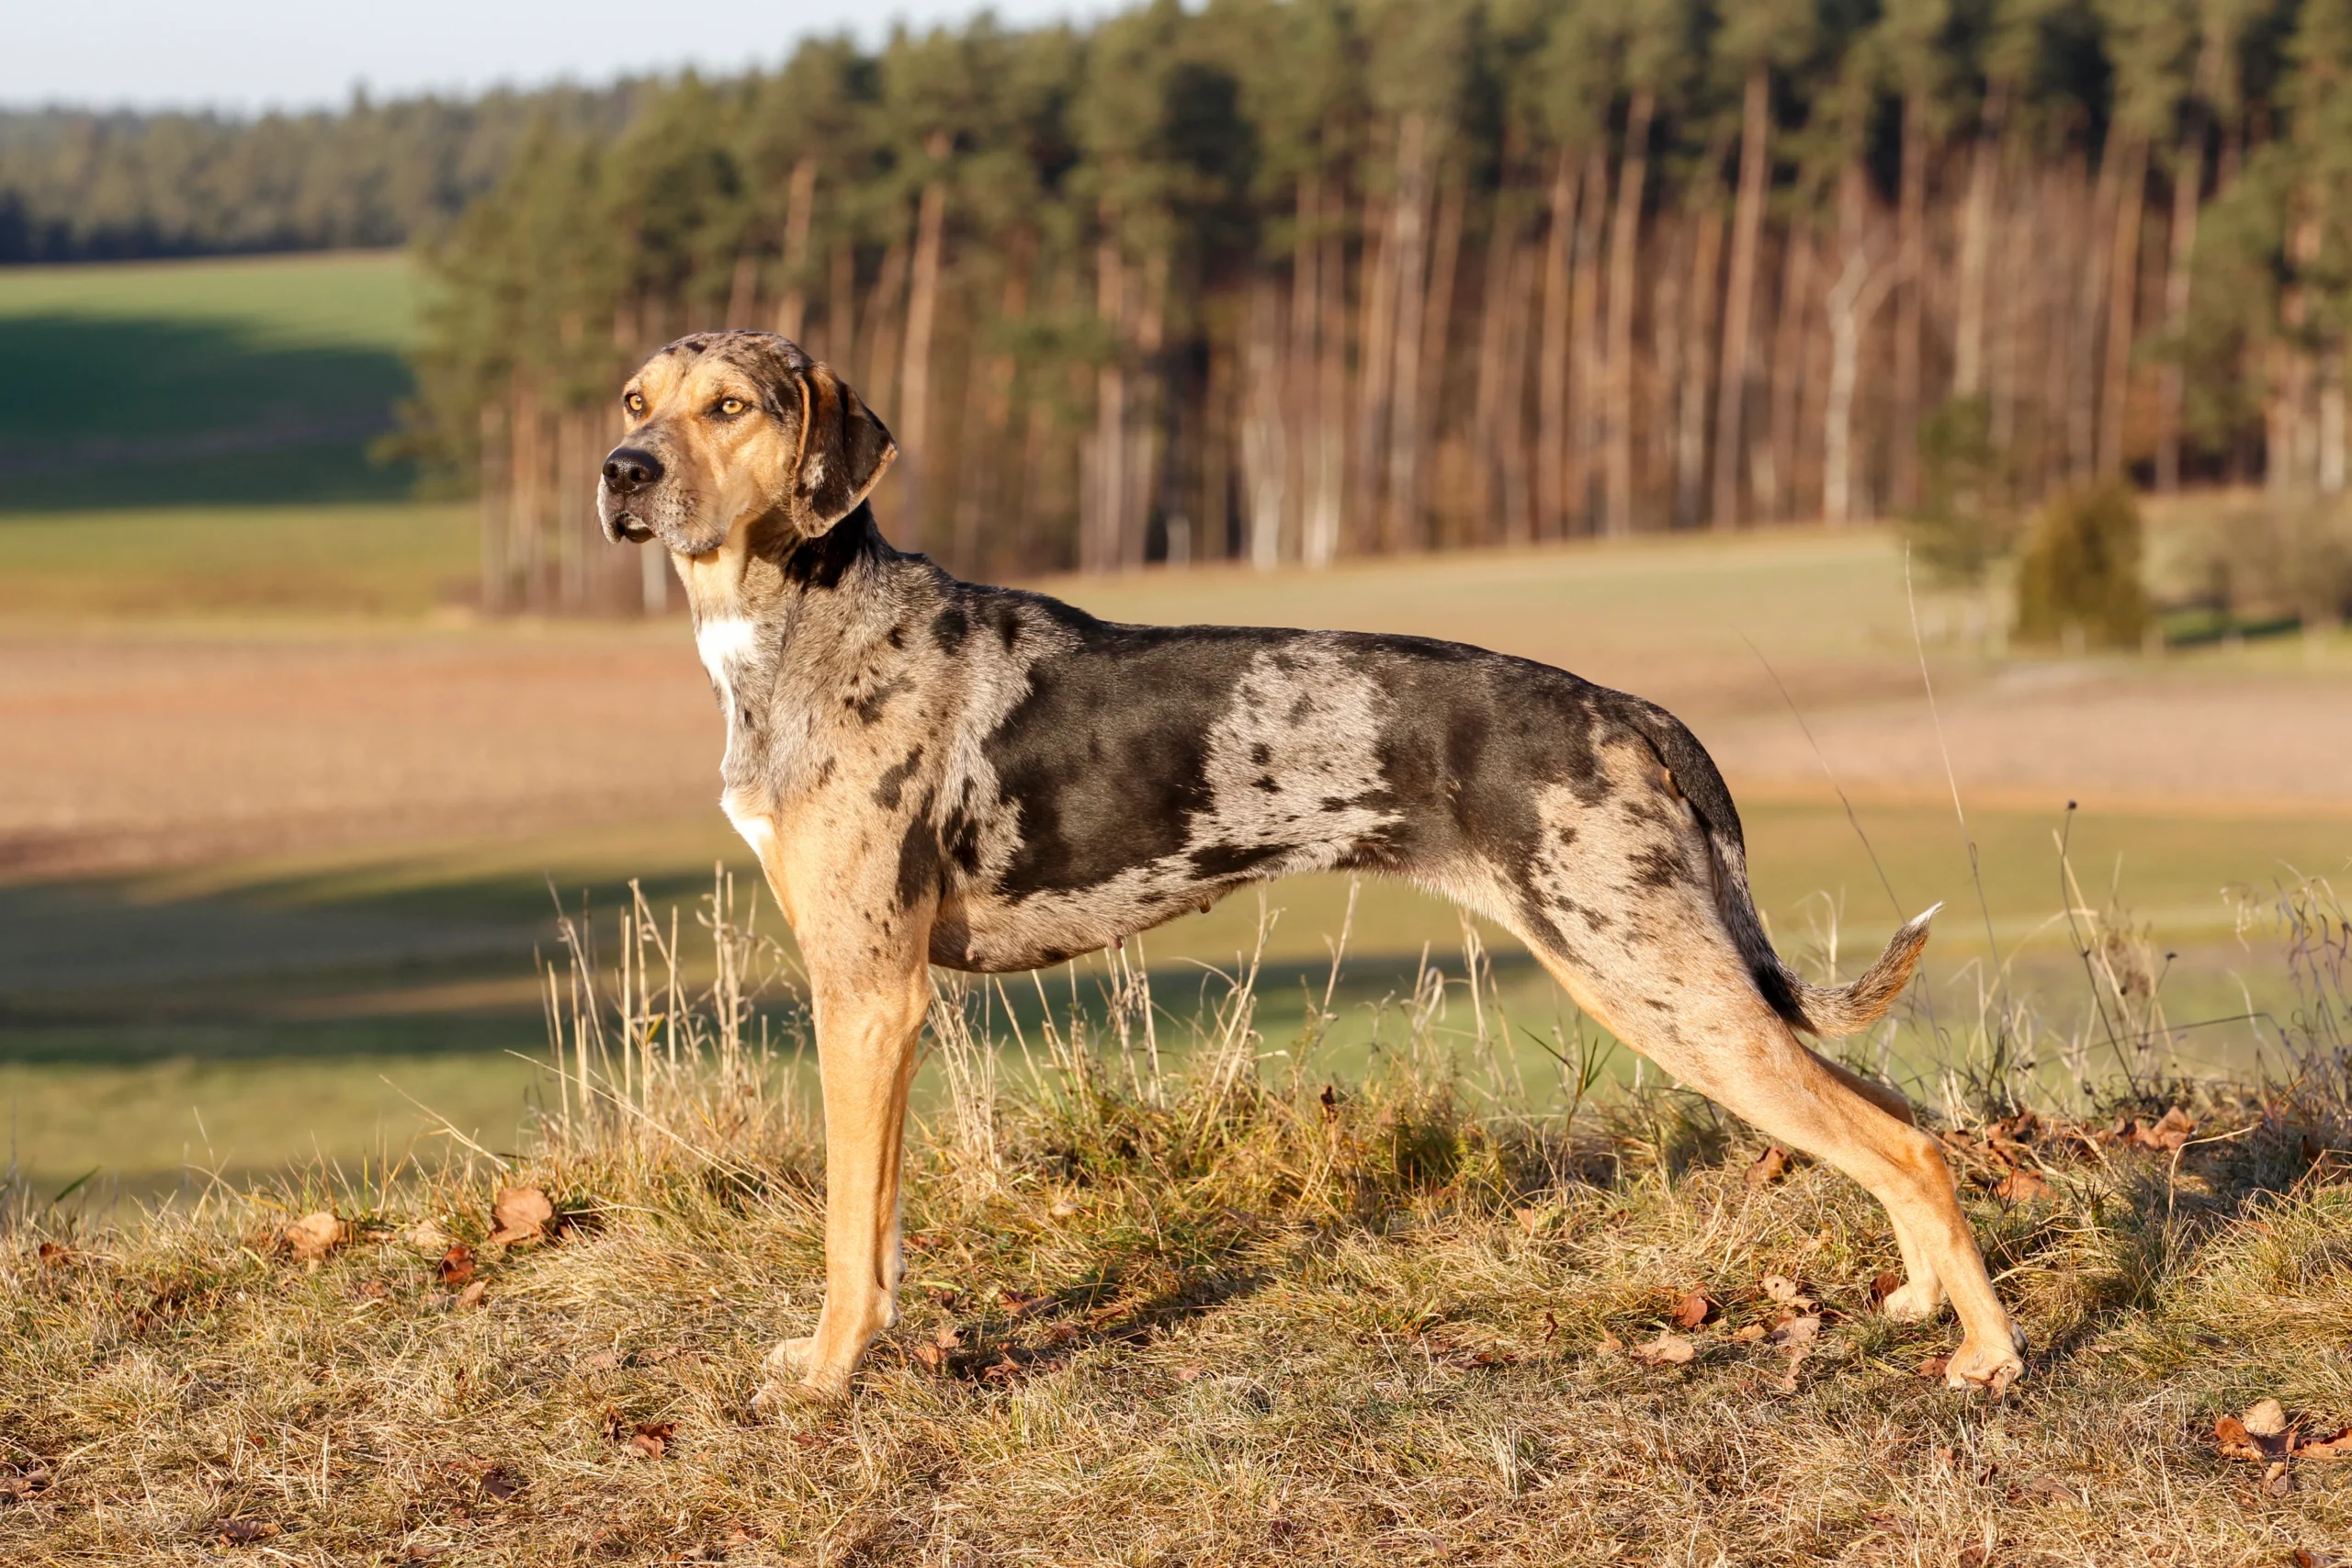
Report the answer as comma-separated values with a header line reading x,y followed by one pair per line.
x,y
723,641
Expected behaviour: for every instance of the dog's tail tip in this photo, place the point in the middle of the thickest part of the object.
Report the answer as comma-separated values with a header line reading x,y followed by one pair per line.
x,y
1830,1012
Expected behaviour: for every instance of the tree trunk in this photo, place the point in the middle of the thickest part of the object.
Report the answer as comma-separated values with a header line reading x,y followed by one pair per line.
x,y
2122,289
979,496
914,375
1775,478
1301,381
1150,404
801,206
1326,501
1099,546
841,309
1739,302
2188,176
1698,349
1903,478
1437,328
1488,434
1976,245
1264,461
497,509
1552,364
1401,520
1587,422
742,291
1624,237
2082,374
1862,285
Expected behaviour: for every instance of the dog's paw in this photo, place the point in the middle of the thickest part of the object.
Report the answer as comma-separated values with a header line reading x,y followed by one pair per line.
x,y
1914,1302
1992,1368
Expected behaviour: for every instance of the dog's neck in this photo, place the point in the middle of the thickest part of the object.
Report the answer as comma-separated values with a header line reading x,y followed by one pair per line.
x,y
790,627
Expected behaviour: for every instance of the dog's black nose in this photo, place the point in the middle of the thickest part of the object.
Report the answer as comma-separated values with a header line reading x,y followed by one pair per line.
x,y
631,468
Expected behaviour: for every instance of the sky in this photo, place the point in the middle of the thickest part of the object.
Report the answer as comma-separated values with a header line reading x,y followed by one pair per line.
x,y
249,56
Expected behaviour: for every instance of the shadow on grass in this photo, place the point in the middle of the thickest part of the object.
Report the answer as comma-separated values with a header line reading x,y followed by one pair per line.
x,y
111,412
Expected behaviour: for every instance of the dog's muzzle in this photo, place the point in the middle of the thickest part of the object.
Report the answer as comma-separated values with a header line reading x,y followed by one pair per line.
x,y
628,471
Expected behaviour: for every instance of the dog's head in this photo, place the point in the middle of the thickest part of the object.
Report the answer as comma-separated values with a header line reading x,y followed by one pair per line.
x,y
726,429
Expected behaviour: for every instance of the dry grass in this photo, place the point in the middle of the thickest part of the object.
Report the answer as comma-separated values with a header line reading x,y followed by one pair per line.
x,y
1173,1297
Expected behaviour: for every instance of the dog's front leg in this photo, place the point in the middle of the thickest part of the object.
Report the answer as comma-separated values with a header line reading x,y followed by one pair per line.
x,y
869,1014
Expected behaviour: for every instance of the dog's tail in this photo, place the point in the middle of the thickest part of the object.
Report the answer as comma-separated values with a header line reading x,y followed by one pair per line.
x,y
1822,1010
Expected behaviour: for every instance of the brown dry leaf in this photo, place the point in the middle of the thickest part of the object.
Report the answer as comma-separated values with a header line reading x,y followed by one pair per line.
x,y
1191,1374
2020,1186
2275,1480
57,1255
312,1237
1063,1209
2337,1447
1770,1165
2165,1134
1531,1219
1692,1310
456,1264
1016,1304
1884,1284
521,1214
1780,1288
500,1484
651,1438
1609,1344
1935,1366
933,1354
2306,1557
1796,1332
1749,1335
470,1296
245,1532
1666,1350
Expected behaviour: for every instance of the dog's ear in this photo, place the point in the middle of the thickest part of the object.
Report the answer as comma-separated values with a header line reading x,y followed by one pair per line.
x,y
845,451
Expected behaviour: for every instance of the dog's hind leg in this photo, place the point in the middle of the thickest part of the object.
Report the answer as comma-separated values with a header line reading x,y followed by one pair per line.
x,y
1922,1291
1697,1013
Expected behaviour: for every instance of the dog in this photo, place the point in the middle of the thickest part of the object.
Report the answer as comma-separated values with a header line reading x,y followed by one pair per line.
x,y
933,772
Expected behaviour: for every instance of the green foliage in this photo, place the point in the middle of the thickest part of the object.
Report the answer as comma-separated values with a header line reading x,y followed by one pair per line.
x,y
2080,572
1965,523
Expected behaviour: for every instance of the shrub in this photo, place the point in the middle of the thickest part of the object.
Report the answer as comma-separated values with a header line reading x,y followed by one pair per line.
x,y
2080,571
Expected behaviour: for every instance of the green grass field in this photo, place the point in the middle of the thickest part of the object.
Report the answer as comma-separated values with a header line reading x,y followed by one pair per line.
x,y
216,382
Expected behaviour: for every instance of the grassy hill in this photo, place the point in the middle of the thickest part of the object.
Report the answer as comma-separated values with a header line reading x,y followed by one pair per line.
x,y
214,382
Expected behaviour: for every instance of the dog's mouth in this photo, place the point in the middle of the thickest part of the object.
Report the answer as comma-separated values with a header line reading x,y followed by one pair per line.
x,y
626,525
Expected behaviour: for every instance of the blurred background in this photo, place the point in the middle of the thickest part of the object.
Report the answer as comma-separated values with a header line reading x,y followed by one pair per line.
x,y
1772,359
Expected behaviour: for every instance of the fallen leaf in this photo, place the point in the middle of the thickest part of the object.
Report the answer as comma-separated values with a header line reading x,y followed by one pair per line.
x,y
1191,1374
1666,1350
934,1354
1016,1304
500,1484
2275,1480
1551,1325
1786,1292
456,1264
1750,1333
57,1255
601,1361
2306,1557
521,1214
428,1236
1531,1219
2173,1130
1064,1209
312,1237
2336,1446
1609,1344
2020,1186
245,1532
1796,1331
1770,1165
651,1438
1884,1284
1692,1310
1935,1366
470,1296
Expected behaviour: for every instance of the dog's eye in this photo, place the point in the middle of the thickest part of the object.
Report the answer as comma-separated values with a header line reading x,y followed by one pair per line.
x,y
732,406
634,402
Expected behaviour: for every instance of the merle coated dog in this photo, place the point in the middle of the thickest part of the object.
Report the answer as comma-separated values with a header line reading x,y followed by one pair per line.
x,y
934,771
